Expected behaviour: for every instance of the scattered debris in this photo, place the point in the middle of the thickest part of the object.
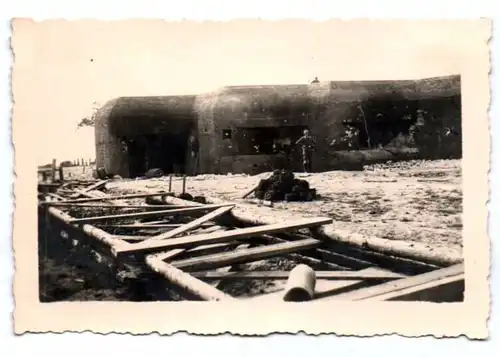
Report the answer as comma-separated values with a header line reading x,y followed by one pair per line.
x,y
283,186
154,173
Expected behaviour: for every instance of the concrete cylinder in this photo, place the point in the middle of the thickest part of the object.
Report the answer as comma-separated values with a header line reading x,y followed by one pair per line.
x,y
300,284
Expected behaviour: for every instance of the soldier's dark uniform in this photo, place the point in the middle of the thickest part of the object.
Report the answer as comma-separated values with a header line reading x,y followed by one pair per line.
x,y
194,148
307,145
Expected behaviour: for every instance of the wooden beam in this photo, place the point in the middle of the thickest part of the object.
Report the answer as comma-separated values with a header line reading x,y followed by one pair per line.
x,y
325,288
140,226
305,258
280,275
111,198
248,193
54,195
210,227
175,252
61,172
193,224
245,256
49,184
92,187
54,168
133,238
413,282
219,237
186,281
84,205
208,224
448,289
145,214
215,228
94,232
220,283
335,257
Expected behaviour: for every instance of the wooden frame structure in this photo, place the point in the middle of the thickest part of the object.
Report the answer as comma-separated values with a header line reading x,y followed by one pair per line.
x,y
194,249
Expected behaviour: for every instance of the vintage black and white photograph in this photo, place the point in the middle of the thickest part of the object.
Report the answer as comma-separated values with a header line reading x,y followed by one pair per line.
x,y
207,165
239,193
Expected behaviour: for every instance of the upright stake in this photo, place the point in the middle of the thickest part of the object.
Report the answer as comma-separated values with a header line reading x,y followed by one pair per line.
x,y
184,184
61,172
170,183
53,170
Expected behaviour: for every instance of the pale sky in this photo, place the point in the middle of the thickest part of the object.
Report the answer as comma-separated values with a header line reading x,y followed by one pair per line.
x,y
62,67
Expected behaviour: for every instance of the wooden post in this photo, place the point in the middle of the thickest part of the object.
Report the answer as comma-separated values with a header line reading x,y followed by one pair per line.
x,y
189,210
61,172
184,184
53,170
185,280
170,183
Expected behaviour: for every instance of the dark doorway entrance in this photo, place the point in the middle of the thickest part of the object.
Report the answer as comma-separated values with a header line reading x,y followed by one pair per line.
x,y
167,152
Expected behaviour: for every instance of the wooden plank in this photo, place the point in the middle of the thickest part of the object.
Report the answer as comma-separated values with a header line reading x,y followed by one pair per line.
x,y
219,237
208,224
335,257
248,255
140,226
324,288
193,224
89,205
449,289
175,252
220,283
120,197
54,169
163,221
49,184
210,227
54,195
186,281
248,193
213,229
302,257
417,281
92,187
132,238
61,172
279,275
145,214
94,232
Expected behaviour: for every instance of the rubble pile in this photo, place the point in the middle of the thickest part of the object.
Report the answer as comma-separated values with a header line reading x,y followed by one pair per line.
x,y
283,186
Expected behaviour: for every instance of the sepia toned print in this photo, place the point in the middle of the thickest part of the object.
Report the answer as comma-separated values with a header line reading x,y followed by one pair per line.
x,y
310,201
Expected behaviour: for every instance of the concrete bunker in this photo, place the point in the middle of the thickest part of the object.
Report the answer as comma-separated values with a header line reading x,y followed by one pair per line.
x,y
251,129
380,120
142,133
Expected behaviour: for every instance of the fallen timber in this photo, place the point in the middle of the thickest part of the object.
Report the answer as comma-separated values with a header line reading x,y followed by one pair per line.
x,y
249,214
197,261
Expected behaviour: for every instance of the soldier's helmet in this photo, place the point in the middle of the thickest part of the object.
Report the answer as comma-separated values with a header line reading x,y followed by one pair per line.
x,y
306,132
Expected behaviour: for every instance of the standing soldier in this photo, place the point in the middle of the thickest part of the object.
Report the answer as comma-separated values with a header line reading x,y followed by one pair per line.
x,y
307,144
193,148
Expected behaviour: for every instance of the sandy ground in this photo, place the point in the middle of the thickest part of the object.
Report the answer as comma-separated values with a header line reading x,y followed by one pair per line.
x,y
417,201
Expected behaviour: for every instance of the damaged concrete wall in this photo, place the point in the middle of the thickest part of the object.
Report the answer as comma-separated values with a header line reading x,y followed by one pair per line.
x,y
225,116
224,121
111,153
132,119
